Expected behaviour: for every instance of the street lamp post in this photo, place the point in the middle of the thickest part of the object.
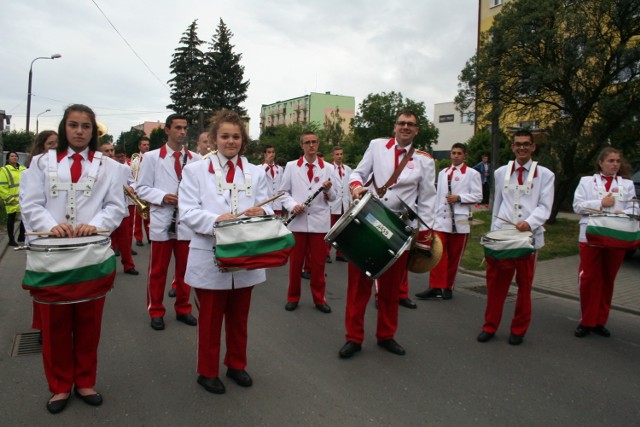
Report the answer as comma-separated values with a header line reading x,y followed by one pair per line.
x,y
38,119
54,56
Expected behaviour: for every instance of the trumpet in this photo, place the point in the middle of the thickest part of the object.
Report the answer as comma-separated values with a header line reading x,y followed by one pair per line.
x,y
143,207
210,153
136,158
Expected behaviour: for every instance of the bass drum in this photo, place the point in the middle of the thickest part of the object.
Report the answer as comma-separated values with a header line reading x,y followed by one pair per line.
x,y
371,236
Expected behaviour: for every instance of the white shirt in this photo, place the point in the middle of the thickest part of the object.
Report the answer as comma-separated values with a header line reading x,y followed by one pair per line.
x,y
343,195
466,182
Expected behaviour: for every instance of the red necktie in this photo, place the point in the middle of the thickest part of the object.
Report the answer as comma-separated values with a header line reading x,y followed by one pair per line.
x,y
453,169
271,169
607,182
231,172
76,168
340,171
177,166
520,178
310,171
399,152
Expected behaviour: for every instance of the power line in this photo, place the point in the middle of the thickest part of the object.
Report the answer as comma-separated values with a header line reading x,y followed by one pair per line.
x,y
130,47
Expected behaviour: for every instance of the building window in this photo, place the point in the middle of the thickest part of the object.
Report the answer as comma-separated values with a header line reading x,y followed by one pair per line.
x,y
445,118
467,118
495,3
528,125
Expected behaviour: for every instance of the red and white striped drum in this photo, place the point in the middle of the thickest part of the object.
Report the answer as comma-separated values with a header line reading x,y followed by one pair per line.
x,y
67,270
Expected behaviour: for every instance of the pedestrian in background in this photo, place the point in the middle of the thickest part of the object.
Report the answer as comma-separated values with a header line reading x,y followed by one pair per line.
x,y
484,167
10,175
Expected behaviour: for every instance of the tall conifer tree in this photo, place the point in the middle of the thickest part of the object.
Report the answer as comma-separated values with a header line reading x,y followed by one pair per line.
x,y
187,69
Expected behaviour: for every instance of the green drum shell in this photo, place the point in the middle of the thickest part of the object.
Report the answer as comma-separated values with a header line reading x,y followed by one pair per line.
x,y
370,236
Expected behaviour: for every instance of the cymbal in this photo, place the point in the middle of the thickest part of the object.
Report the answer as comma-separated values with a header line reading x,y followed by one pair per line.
x,y
418,263
471,221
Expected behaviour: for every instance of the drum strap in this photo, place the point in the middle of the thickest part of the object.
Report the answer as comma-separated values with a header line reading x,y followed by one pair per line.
x,y
602,192
85,185
517,188
381,191
222,185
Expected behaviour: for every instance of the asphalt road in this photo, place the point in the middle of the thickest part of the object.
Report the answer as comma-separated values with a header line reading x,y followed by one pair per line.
x,y
447,378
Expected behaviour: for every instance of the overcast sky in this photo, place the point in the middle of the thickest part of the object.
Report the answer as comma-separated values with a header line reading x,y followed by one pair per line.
x,y
289,48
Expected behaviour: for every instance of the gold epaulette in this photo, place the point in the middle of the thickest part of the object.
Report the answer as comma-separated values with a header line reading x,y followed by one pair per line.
x,y
424,153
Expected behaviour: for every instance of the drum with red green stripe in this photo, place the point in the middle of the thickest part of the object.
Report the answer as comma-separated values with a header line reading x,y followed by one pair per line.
x,y
613,231
67,270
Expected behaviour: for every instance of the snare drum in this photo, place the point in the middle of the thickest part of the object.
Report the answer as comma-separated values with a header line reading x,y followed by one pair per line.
x,y
253,242
507,243
613,231
370,236
67,270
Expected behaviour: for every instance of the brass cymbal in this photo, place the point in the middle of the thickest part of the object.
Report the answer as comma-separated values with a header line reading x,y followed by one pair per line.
x,y
419,263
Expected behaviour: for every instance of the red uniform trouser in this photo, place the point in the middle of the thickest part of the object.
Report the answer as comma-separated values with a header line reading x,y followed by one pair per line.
x,y
137,225
359,293
312,244
597,273
334,219
232,306
499,276
443,276
70,337
122,240
159,259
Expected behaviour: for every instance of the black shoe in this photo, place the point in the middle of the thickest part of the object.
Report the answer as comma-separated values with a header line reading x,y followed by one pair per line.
x,y
431,293
90,399
188,319
392,346
157,323
134,252
139,243
212,385
581,331
149,241
291,305
57,406
116,252
132,271
329,259
306,275
323,308
172,293
349,349
406,302
601,330
515,339
447,294
20,239
485,336
240,376
341,258
12,243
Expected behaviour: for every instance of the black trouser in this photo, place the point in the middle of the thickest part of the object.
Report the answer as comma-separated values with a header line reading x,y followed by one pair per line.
x,y
485,192
11,221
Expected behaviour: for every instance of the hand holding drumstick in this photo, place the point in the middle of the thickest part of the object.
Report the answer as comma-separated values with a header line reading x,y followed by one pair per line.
x,y
520,226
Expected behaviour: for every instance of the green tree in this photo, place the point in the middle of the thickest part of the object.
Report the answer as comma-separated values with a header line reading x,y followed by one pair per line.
x,y
223,85
157,138
129,140
187,70
572,66
286,140
20,142
376,118
332,132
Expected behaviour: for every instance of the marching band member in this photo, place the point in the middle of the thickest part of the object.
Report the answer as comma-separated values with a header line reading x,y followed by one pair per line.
x,y
202,144
274,174
10,175
213,190
415,186
302,179
523,196
607,191
158,180
343,195
459,187
139,223
71,332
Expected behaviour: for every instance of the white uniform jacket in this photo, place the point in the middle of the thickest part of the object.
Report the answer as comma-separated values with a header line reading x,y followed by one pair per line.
x,y
274,182
534,207
591,191
104,208
295,184
466,182
157,178
201,203
343,194
415,185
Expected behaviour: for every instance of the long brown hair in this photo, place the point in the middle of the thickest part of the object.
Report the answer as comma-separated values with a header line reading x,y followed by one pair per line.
x,y
625,168
63,142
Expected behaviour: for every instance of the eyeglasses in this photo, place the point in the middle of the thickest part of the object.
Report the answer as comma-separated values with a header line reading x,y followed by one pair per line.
x,y
313,141
403,124
522,144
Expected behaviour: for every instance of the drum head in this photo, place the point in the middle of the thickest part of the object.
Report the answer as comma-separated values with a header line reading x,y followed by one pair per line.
x,y
347,217
246,220
66,242
508,234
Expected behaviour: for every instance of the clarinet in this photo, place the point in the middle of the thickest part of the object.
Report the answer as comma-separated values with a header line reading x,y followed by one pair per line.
x,y
174,219
453,216
305,204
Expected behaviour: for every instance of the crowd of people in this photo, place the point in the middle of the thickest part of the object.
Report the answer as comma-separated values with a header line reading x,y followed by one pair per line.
x,y
78,188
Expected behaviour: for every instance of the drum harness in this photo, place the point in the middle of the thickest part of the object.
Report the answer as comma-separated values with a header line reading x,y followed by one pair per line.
x,y
85,185
222,184
517,188
602,192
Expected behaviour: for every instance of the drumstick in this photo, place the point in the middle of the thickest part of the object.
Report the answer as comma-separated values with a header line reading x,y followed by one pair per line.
x,y
593,210
271,199
507,221
50,233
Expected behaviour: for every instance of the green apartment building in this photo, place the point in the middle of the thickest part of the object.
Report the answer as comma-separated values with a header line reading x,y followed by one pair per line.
x,y
313,107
